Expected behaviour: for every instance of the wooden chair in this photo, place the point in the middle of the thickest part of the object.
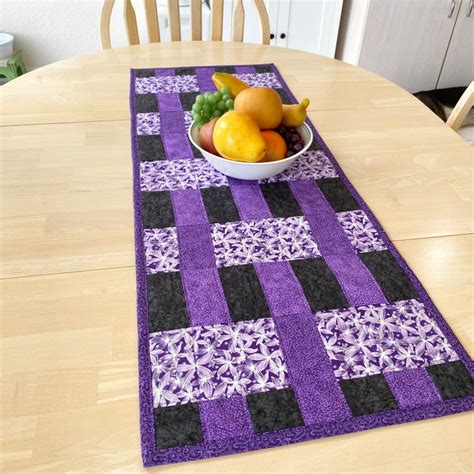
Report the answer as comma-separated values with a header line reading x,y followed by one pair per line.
x,y
462,108
153,29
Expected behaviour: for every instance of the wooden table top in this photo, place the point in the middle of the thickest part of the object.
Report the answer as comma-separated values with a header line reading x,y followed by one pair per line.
x,y
69,359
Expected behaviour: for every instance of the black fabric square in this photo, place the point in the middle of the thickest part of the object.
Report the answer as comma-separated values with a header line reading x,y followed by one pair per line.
x,y
275,410
145,103
184,71
337,194
390,276
196,152
157,209
367,395
178,425
315,146
220,205
320,286
150,148
187,99
263,68
144,72
452,380
243,293
227,69
166,303
285,98
280,200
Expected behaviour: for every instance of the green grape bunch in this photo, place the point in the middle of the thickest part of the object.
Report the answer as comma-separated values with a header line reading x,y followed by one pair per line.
x,y
211,105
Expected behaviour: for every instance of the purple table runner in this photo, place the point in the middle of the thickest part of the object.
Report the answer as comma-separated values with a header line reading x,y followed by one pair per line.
x,y
269,312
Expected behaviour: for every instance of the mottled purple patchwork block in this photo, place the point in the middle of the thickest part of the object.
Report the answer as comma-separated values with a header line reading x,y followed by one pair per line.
x,y
212,362
412,388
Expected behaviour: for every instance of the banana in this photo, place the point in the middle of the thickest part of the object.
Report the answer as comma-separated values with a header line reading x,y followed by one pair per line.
x,y
295,114
235,85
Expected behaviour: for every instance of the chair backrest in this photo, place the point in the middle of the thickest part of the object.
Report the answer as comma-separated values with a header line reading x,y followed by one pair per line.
x,y
174,21
462,108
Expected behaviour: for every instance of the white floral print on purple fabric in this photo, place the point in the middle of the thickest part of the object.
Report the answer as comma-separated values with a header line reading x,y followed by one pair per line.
x,y
166,84
188,118
198,173
360,231
266,240
310,165
260,79
179,174
161,250
373,339
210,362
148,123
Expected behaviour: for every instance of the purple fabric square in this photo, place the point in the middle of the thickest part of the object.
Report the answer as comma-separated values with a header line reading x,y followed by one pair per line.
x,y
250,200
204,297
195,247
413,388
282,290
225,418
169,103
188,207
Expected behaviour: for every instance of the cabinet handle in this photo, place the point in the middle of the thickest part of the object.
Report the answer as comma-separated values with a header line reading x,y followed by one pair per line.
x,y
469,8
283,36
272,36
451,10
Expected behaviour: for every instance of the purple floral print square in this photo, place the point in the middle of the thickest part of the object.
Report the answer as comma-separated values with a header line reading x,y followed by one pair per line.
x,y
266,240
211,362
372,339
310,165
148,123
262,79
161,250
360,231
166,84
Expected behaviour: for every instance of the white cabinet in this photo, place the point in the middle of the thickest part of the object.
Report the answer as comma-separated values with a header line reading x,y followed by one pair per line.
x,y
418,44
307,25
458,67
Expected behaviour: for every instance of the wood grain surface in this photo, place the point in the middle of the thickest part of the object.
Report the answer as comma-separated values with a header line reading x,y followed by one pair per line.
x,y
68,317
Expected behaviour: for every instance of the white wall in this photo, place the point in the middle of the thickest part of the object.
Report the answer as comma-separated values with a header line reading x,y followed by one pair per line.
x,y
50,30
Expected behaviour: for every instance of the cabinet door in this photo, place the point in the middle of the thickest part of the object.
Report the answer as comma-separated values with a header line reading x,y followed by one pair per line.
x,y
252,28
309,25
458,67
406,40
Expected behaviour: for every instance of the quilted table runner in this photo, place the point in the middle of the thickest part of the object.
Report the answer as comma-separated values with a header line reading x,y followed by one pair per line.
x,y
269,312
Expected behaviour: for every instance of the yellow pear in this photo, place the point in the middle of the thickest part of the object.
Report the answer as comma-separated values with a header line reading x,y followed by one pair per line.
x,y
237,137
295,114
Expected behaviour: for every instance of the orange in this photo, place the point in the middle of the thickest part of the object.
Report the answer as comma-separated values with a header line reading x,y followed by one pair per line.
x,y
275,145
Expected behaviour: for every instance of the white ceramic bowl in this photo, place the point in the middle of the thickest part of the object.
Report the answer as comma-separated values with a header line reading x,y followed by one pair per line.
x,y
6,45
250,171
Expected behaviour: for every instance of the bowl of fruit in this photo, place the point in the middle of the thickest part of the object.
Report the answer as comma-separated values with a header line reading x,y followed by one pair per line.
x,y
247,133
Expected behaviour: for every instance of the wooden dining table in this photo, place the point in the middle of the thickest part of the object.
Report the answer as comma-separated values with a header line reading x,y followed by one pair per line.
x,y
68,315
